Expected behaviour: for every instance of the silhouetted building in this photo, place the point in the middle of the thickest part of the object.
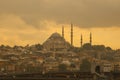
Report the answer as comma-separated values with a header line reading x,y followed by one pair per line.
x,y
56,43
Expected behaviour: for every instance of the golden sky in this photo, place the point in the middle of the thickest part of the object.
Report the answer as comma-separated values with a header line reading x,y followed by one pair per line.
x,y
25,22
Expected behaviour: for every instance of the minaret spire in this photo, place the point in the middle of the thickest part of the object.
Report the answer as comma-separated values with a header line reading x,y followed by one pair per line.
x,y
71,34
90,38
63,31
81,40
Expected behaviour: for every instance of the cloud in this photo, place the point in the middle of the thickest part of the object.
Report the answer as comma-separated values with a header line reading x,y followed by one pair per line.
x,y
83,13
15,31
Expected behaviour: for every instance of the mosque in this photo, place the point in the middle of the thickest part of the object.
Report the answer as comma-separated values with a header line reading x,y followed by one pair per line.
x,y
57,42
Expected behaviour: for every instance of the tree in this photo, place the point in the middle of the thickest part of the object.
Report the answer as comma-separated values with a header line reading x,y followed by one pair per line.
x,y
62,67
39,46
73,65
109,48
85,66
2,46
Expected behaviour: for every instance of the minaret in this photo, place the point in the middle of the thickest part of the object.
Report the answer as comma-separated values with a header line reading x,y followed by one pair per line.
x,y
63,31
81,40
63,35
72,34
90,38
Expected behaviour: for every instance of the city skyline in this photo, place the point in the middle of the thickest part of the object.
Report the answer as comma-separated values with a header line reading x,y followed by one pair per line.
x,y
33,21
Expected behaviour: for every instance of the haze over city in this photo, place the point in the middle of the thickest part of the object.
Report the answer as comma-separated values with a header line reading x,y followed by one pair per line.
x,y
25,22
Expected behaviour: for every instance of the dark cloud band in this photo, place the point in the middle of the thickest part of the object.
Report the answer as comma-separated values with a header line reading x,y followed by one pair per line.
x,y
84,13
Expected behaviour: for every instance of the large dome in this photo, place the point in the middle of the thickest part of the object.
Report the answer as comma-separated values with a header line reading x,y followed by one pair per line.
x,y
55,41
56,34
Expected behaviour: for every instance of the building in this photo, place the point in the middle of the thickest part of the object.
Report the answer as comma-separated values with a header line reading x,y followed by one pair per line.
x,y
56,43
117,56
3,64
107,67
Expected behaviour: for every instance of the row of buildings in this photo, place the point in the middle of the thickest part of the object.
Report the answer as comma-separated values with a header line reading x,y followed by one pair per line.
x,y
57,54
